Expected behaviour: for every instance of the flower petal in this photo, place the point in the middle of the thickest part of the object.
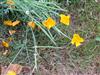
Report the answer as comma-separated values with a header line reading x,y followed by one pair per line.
x,y
15,23
81,40
31,24
10,2
5,44
77,44
11,73
8,22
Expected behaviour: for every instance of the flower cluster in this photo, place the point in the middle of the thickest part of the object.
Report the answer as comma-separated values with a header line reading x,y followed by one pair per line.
x,y
48,23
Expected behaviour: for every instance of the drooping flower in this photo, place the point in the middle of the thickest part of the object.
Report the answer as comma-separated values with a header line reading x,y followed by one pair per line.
x,y
11,73
65,19
5,44
31,24
77,40
10,23
10,2
49,23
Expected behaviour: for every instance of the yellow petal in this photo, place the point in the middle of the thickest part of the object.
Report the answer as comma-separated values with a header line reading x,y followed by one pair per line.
x,y
49,23
5,44
77,44
81,40
76,35
10,2
11,73
8,22
72,41
31,24
15,23
65,19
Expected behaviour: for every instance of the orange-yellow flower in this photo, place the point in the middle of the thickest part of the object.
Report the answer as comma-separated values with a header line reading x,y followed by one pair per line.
x,y
11,73
5,44
31,24
65,19
77,40
10,2
15,23
10,23
49,23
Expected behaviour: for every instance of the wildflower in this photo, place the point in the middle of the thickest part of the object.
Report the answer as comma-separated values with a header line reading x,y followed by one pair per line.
x,y
10,2
15,23
65,19
11,73
31,24
77,40
49,23
11,32
10,23
5,44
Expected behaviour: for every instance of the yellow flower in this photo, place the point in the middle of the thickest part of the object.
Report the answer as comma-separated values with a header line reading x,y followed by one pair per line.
x,y
65,19
10,23
10,2
77,40
15,23
5,44
11,73
31,24
49,23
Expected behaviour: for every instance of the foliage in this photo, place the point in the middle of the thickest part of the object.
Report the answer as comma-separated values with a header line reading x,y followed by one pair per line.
x,y
34,25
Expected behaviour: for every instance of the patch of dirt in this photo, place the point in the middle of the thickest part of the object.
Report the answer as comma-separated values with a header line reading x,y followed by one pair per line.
x,y
61,68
